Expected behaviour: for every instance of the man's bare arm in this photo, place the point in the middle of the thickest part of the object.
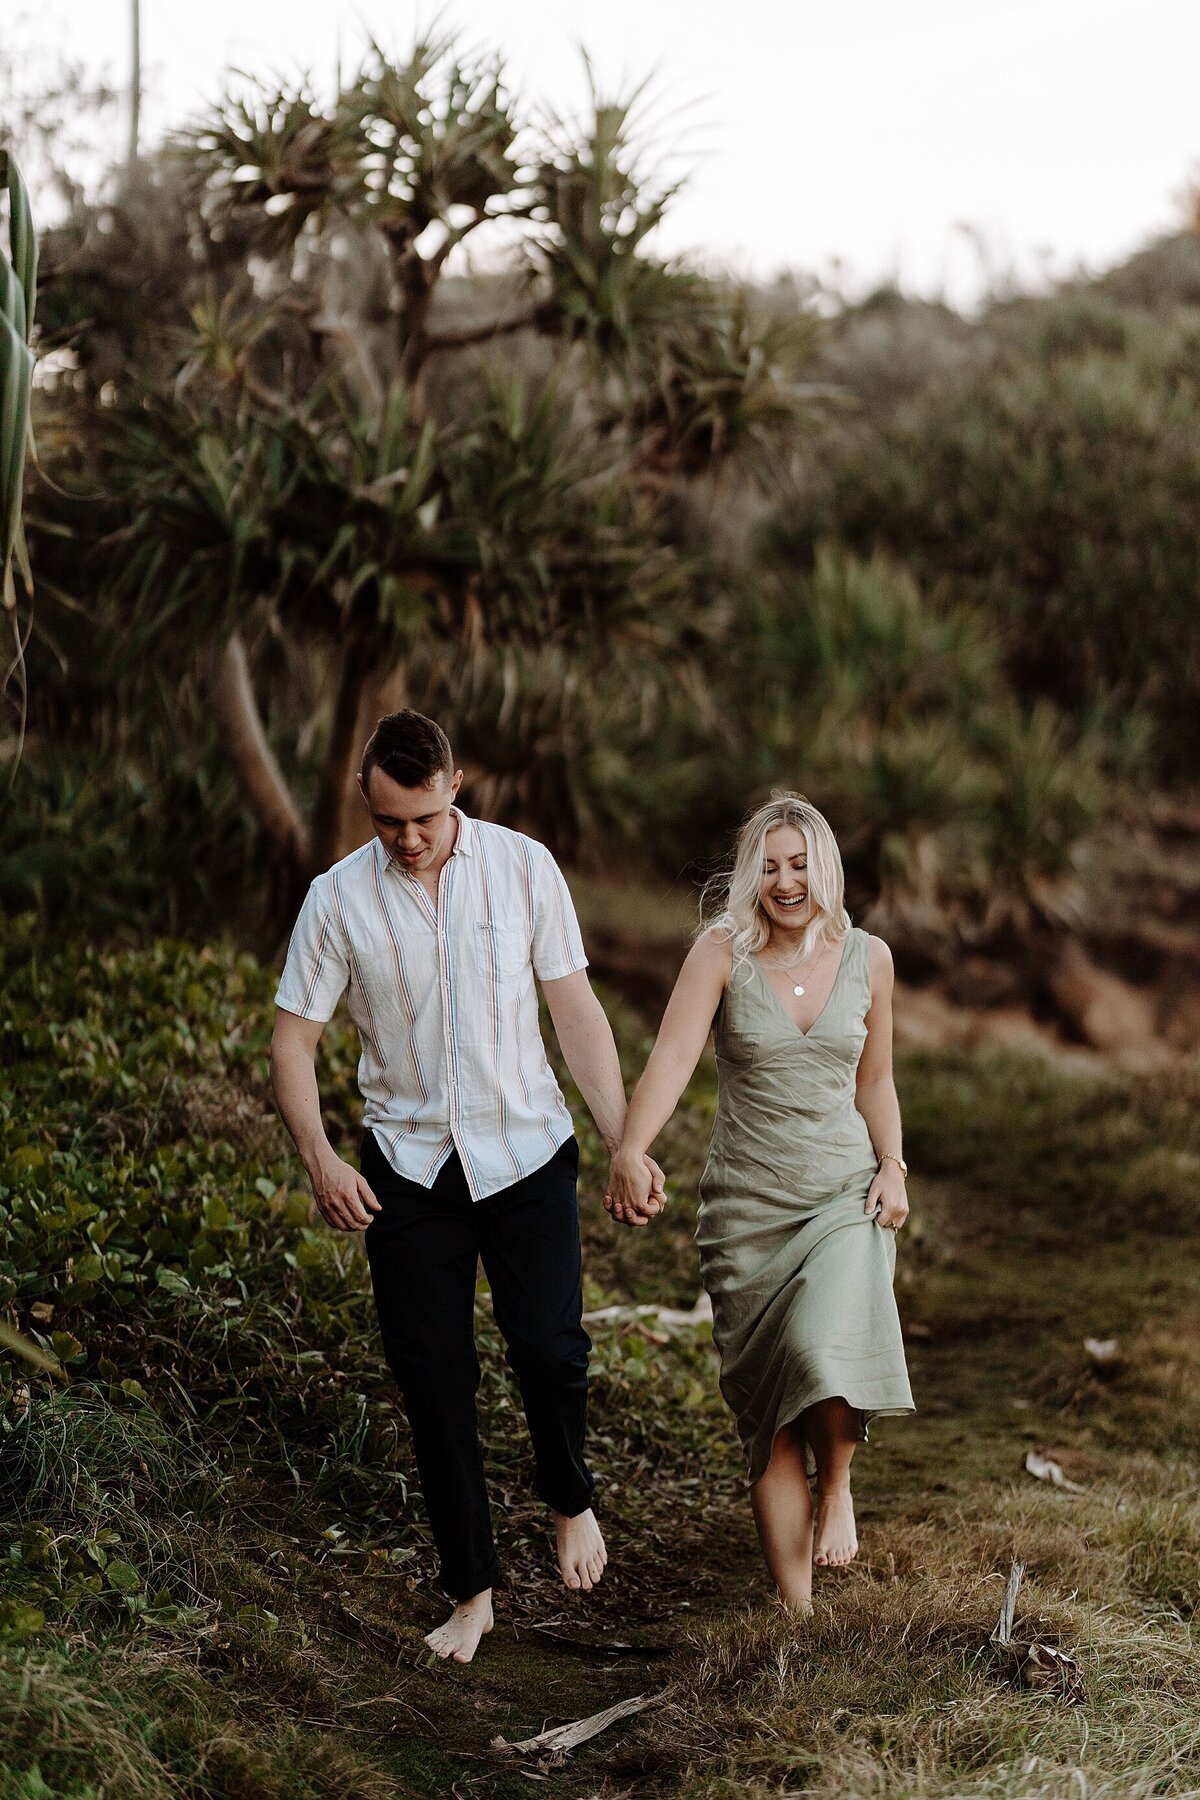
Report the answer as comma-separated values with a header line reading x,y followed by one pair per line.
x,y
586,1041
344,1197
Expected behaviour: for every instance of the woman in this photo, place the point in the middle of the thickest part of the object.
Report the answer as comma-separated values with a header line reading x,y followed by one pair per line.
x,y
804,1187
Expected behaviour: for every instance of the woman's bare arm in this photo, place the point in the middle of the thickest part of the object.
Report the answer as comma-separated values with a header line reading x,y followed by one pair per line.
x,y
677,1049
875,1094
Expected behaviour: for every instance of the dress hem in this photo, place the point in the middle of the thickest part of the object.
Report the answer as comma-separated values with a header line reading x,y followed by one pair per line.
x,y
866,1414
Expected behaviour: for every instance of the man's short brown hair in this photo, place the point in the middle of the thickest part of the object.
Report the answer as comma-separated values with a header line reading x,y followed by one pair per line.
x,y
410,748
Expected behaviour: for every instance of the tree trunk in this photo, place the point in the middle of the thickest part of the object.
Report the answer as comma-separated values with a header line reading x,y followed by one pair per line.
x,y
260,776
341,757
135,80
415,281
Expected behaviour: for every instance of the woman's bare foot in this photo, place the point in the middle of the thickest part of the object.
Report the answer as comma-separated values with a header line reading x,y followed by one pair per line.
x,y
581,1552
782,1508
458,1639
835,1540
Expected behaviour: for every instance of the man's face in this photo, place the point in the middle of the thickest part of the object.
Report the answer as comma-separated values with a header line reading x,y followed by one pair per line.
x,y
412,823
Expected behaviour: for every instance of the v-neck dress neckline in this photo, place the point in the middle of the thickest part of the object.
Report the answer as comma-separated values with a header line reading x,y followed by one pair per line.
x,y
825,1005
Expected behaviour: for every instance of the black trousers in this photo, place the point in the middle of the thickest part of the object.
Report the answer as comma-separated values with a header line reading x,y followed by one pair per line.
x,y
424,1247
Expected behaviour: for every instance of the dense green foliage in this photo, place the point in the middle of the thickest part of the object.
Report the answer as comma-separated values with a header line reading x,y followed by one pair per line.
x,y
1052,490
602,516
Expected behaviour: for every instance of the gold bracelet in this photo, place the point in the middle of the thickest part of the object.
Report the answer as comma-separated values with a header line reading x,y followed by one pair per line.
x,y
890,1156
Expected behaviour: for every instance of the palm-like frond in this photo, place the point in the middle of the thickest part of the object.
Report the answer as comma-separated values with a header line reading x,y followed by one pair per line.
x,y
597,206
436,137
562,542
722,382
274,154
405,145
509,527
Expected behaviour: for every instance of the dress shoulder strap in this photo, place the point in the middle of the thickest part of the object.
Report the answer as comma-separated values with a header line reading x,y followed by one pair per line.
x,y
858,947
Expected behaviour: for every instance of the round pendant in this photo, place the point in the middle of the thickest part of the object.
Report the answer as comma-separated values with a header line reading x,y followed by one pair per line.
x,y
797,990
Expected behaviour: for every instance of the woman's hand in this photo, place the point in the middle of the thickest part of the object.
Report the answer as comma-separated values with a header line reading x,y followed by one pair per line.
x,y
631,1195
886,1196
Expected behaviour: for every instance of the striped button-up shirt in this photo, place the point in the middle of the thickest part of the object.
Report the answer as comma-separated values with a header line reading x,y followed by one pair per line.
x,y
443,998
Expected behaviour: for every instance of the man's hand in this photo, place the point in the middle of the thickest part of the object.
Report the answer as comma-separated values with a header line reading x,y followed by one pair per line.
x,y
342,1194
636,1190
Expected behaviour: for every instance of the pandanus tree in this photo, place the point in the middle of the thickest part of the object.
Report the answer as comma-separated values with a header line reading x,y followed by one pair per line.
x,y
339,475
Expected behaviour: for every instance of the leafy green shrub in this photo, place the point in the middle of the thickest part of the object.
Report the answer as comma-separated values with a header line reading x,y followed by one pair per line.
x,y
1054,496
152,1235
950,799
93,838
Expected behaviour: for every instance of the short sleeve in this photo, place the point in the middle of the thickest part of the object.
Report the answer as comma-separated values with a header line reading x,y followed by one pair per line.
x,y
557,944
317,970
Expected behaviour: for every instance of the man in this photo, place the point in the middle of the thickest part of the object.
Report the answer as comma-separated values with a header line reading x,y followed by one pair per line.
x,y
434,931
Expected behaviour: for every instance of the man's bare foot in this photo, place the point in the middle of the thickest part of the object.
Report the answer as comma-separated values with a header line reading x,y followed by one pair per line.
x,y
835,1540
458,1639
581,1552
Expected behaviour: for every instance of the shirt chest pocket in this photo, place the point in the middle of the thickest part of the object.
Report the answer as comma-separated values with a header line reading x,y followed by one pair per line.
x,y
502,952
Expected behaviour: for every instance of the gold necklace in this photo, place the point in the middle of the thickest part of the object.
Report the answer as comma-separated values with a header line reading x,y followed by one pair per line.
x,y
774,962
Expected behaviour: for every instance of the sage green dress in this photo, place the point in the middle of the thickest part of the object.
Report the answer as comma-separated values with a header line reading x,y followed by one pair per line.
x,y
800,1276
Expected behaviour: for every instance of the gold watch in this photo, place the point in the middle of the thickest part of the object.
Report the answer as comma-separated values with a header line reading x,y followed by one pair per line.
x,y
889,1156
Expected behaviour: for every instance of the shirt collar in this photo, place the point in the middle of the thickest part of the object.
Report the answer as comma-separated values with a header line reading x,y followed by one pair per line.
x,y
464,844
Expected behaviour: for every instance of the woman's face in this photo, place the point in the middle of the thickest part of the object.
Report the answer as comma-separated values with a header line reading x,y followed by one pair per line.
x,y
783,894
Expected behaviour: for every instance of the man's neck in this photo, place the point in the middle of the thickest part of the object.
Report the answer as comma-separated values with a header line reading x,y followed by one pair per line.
x,y
430,878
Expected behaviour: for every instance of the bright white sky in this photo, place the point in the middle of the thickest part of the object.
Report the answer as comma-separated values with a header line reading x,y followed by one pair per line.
x,y
860,134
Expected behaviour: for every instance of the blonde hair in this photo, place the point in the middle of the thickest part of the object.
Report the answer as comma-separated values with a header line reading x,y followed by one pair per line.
x,y
730,902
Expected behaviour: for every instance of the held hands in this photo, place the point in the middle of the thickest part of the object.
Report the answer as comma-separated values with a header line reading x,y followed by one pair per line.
x,y
342,1194
636,1190
886,1197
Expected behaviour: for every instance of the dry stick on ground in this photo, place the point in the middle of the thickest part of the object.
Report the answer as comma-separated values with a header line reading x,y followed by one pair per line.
x,y
669,1317
1044,1468
1039,1666
562,1738
1004,1624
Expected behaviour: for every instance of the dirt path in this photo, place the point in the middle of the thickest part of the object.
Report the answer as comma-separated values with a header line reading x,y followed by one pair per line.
x,y
999,1300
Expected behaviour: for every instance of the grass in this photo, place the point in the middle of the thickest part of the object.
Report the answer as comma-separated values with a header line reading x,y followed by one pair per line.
x,y
216,1574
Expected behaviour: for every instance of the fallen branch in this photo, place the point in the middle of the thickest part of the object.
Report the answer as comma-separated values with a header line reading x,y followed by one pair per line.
x,y
1044,1468
613,1647
561,1739
669,1317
